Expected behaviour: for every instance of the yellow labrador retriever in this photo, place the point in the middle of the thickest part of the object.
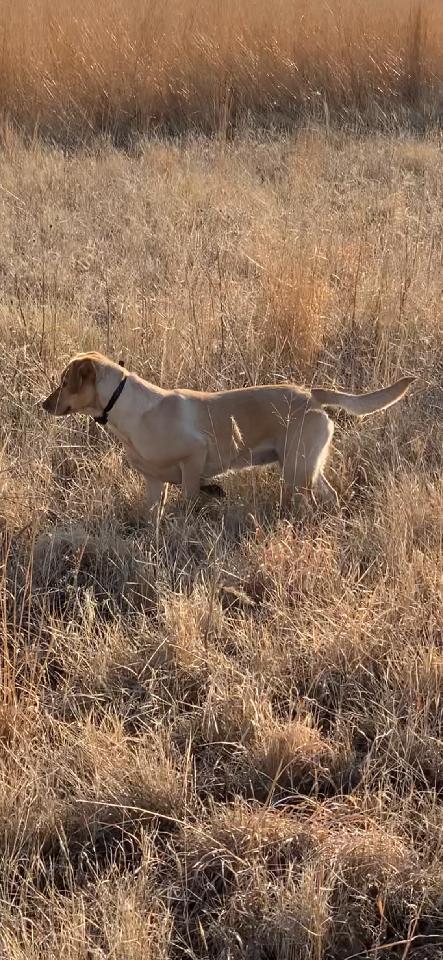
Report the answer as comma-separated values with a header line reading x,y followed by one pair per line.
x,y
187,436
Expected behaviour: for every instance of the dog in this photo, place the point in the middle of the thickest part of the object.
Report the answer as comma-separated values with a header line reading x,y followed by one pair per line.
x,y
187,437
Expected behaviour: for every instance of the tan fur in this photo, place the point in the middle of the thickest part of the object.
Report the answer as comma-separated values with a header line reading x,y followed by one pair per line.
x,y
186,436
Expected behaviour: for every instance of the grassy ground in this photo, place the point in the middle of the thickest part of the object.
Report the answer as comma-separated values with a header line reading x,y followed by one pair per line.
x,y
225,742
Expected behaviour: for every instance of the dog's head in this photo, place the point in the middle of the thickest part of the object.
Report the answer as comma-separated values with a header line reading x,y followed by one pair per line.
x,y
76,392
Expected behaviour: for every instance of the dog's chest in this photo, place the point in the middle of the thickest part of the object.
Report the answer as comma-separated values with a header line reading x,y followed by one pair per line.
x,y
134,457
147,467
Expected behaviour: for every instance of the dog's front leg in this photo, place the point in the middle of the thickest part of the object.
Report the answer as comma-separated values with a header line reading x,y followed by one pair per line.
x,y
192,469
154,495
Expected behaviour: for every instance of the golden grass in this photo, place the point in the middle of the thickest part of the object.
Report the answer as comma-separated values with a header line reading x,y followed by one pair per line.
x,y
226,741
72,69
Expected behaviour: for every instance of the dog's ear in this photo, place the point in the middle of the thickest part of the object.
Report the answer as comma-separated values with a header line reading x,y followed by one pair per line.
x,y
80,372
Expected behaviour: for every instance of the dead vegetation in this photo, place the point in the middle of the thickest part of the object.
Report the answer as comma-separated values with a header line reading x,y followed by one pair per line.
x,y
72,71
223,741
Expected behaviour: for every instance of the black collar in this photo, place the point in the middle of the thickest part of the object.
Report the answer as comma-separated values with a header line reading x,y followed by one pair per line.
x,y
103,418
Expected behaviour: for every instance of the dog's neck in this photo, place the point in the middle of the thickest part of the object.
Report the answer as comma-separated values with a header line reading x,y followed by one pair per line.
x,y
107,384
130,401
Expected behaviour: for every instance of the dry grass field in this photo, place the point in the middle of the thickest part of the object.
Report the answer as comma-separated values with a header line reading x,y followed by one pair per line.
x,y
223,739
72,69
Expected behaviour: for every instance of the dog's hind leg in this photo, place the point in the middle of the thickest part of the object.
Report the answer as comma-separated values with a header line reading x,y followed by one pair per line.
x,y
304,454
324,492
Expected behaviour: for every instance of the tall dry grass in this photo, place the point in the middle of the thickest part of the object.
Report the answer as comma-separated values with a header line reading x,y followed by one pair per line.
x,y
223,741
70,70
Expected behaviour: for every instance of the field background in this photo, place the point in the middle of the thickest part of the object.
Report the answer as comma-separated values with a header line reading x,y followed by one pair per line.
x,y
223,740
213,64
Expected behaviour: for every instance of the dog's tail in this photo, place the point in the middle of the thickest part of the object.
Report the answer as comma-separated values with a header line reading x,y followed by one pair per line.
x,y
364,403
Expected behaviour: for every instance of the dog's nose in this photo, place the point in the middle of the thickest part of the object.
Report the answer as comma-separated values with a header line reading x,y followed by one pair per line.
x,y
44,404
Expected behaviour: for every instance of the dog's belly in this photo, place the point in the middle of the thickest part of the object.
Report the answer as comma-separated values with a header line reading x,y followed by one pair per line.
x,y
244,459
215,465
261,456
